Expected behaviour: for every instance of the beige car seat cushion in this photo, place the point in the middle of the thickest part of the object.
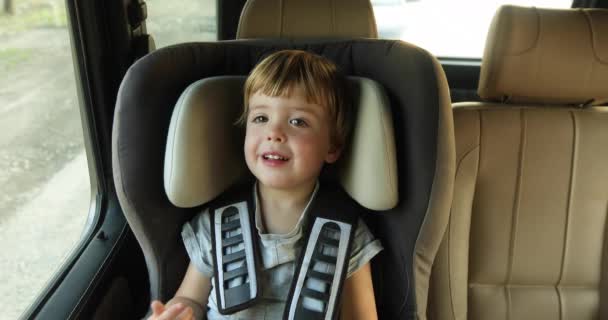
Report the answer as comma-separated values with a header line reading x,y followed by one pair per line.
x,y
204,153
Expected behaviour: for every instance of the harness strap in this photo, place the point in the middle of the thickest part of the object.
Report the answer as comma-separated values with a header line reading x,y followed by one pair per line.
x,y
234,250
321,267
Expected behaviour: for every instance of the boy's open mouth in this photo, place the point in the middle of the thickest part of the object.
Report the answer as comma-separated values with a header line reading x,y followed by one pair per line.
x,y
274,156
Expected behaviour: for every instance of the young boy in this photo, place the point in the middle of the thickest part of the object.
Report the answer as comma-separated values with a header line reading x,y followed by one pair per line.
x,y
296,121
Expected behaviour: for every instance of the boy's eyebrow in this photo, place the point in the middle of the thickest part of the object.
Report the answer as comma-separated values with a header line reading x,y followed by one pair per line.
x,y
303,109
307,110
262,106
257,106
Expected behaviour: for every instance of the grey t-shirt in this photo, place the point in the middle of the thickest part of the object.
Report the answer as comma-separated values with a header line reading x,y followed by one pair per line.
x,y
278,252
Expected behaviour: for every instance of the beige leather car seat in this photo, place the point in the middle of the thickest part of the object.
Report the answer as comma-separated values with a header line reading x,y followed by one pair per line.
x,y
527,234
307,19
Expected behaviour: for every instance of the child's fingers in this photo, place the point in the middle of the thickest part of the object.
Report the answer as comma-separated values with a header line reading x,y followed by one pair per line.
x,y
172,311
187,314
157,307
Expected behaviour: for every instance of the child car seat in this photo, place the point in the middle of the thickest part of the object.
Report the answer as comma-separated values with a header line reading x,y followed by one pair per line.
x,y
422,125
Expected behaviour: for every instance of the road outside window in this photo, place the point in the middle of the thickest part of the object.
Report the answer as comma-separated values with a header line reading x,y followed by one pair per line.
x,y
446,28
44,179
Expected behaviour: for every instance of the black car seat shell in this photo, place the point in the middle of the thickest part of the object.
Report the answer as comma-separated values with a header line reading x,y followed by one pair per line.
x,y
419,99
527,232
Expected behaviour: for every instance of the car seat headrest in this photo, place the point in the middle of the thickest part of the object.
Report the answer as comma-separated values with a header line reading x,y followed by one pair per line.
x,y
546,56
204,153
307,19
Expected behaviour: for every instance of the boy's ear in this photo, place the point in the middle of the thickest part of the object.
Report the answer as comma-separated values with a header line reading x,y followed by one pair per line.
x,y
334,154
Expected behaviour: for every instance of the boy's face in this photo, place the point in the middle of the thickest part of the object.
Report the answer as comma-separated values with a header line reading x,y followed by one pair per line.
x,y
287,140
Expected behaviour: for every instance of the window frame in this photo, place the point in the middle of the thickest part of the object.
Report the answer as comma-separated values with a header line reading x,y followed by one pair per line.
x,y
67,292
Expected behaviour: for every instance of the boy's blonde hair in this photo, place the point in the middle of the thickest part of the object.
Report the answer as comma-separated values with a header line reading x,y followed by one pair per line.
x,y
317,76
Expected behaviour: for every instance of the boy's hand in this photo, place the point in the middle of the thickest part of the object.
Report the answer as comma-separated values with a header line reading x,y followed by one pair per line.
x,y
176,311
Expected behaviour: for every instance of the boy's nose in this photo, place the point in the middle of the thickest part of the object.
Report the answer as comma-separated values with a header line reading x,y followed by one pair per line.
x,y
276,135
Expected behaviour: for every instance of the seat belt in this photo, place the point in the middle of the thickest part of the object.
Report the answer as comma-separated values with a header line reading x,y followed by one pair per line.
x,y
321,267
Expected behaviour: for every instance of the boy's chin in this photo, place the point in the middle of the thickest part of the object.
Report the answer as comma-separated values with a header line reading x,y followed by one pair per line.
x,y
282,184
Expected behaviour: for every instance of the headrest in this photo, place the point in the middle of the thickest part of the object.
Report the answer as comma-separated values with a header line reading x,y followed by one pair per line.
x,y
204,154
307,19
546,56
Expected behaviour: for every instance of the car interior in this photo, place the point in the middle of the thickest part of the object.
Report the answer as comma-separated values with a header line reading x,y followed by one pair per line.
x,y
483,179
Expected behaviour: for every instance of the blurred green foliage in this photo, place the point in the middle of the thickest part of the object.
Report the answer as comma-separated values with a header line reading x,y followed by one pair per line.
x,y
32,14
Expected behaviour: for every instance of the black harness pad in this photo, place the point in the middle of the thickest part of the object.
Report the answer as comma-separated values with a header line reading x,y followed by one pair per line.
x,y
321,266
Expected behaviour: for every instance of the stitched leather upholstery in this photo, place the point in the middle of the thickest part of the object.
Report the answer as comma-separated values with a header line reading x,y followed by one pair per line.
x,y
526,238
307,19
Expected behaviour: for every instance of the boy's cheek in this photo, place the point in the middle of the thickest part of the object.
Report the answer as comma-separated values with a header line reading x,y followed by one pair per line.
x,y
248,150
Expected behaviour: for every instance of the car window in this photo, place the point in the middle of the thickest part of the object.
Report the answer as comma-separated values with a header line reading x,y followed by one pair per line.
x,y
446,28
171,22
44,180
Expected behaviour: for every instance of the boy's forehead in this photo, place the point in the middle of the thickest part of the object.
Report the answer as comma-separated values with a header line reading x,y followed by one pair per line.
x,y
296,94
261,100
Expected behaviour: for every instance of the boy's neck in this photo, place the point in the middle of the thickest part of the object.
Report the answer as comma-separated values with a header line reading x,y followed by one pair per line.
x,y
281,208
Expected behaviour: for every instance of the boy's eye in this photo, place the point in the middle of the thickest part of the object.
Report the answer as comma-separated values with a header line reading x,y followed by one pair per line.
x,y
298,122
259,119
